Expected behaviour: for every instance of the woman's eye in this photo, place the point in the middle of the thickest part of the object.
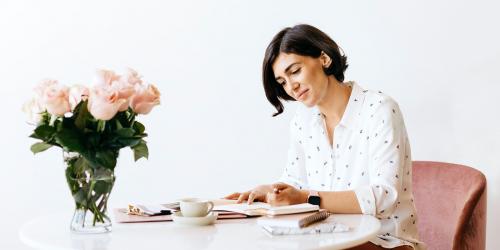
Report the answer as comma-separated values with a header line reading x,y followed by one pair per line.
x,y
296,71
281,83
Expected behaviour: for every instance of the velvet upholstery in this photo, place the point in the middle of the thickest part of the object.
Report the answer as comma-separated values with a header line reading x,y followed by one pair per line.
x,y
451,205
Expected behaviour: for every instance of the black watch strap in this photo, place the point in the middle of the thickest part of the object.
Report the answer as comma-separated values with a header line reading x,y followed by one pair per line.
x,y
314,198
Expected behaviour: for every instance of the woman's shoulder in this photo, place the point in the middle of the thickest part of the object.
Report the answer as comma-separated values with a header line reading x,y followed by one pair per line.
x,y
379,107
378,102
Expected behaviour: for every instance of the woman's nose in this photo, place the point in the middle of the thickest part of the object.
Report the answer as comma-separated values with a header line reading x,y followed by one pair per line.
x,y
295,86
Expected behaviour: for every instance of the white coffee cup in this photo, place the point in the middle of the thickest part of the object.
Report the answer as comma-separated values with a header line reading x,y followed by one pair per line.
x,y
194,207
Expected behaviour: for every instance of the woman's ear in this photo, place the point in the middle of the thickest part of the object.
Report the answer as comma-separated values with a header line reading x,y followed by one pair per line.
x,y
325,60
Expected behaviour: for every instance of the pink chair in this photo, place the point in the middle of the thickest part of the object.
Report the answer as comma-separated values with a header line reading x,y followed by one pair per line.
x,y
451,205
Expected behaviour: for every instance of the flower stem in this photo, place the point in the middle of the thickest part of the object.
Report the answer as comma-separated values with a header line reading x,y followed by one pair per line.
x,y
101,125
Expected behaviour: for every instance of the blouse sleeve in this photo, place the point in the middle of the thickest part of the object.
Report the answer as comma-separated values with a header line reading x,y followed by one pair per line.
x,y
295,173
387,157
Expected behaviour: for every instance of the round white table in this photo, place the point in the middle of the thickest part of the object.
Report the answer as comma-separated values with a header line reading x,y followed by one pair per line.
x,y
52,232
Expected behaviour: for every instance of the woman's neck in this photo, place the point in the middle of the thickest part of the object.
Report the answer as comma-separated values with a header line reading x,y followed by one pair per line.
x,y
335,100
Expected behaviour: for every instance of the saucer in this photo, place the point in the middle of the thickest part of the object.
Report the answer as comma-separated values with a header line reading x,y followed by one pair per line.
x,y
194,221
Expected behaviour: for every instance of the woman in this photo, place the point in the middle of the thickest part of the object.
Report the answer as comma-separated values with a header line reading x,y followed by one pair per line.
x,y
349,149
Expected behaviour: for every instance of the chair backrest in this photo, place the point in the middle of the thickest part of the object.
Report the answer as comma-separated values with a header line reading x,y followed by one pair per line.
x,y
451,205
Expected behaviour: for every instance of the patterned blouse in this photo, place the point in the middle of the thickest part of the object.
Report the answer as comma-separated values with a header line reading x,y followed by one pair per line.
x,y
370,155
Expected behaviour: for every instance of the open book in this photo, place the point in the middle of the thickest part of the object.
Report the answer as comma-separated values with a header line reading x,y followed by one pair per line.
x,y
261,208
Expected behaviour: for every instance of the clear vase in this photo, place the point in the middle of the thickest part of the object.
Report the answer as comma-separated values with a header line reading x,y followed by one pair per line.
x,y
90,187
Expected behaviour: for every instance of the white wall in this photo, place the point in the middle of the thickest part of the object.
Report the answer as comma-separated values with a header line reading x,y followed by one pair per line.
x,y
213,133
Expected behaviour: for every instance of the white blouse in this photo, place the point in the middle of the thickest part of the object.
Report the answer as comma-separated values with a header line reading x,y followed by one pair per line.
x,y
370,155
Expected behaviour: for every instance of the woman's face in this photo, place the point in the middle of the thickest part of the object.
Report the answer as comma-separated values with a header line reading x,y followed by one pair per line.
x,y
302,77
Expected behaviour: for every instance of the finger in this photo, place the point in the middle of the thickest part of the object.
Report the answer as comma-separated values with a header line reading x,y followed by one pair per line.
x,y
279,199
255,196
251,197
271,198
277,187
242,197
233,196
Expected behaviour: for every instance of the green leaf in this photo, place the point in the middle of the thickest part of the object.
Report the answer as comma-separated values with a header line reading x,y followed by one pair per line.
x,y
139,128
125,132
128,142
70,140
40,147
79,166
106,158
118,124
93,139
45,132
34,136
82,115
90,159
122,118
141,150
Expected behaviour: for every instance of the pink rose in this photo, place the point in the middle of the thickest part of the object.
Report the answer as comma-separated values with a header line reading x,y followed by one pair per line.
x,y
145,99
40,88
106,77
104,102
33,109
125,91
131,77
56,100
77,93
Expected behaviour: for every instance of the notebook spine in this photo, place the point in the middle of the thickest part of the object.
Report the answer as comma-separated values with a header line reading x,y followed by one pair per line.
x,y
314,218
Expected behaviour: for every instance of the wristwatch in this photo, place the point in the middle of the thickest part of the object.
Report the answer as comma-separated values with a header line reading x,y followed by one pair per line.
x,y
313,197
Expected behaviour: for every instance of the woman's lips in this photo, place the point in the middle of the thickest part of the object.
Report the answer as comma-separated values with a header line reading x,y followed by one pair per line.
x,y
302,94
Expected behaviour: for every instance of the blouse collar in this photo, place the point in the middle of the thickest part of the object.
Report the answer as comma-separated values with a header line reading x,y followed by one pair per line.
x,y
352,112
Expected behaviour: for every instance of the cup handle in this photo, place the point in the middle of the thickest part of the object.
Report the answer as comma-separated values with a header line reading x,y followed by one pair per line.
x,y
211,206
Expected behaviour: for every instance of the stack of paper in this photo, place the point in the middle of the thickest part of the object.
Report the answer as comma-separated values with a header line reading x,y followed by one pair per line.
x,y
320,227
302,223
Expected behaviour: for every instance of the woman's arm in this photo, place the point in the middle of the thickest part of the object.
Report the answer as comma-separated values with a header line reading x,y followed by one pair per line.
x,y
340,202
343,202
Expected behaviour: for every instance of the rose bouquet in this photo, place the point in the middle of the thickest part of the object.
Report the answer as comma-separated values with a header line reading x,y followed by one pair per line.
x,y
91,125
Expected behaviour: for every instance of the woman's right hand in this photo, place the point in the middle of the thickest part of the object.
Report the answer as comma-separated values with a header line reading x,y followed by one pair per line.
x,y
257,194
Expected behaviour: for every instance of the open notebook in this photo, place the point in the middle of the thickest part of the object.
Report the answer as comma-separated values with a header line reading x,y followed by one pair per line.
x,y
261,208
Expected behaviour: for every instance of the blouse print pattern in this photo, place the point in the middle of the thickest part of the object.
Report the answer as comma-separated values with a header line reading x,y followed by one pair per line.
x,y
370,155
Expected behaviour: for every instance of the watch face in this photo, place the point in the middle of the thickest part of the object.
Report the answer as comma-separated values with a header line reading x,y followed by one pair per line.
x,y
313,200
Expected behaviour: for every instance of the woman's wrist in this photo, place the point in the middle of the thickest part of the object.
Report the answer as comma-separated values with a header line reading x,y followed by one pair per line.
x,y
304,196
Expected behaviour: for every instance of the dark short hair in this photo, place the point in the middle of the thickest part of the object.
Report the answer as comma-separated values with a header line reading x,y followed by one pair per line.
x,y
304,40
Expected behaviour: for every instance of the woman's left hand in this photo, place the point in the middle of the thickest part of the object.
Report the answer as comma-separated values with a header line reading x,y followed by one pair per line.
x,y
284,194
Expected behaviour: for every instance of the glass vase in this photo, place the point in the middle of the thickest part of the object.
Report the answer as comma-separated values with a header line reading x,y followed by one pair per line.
x,y
90,187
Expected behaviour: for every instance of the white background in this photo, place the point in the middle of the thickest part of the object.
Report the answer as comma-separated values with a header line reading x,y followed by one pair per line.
x,y
213,133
